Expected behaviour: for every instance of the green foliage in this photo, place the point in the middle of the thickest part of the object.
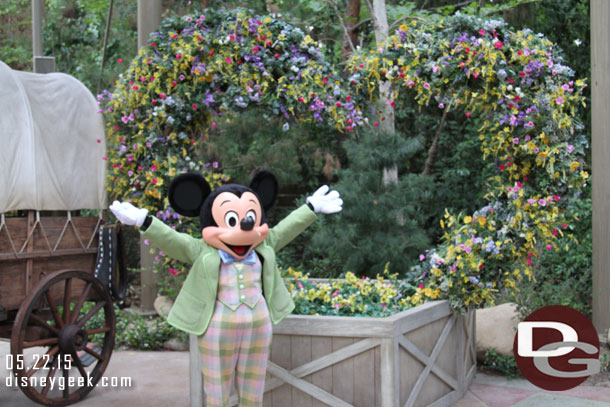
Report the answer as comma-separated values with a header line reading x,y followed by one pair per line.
x,y
133,330
15,34
350,295
74,31
563,276
605,362
381,221
501,363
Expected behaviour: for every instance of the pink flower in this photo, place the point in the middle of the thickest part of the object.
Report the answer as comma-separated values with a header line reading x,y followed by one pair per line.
x,y
570,148
549,246
120,60
531,201
559,100
173,271
468,114
299,284
441,105
422,257
498,45
516,140
427,85
410,83
542,202
481,32
421,286
556,197
179,57
228,60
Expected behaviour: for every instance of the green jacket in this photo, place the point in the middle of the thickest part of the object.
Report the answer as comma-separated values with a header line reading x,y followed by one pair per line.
x,y
194,306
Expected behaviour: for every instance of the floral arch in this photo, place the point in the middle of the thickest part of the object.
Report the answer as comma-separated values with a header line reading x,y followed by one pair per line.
x,y
194,70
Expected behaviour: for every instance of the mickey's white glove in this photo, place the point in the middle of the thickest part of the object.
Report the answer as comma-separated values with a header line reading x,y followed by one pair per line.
x,y
325,202
128,214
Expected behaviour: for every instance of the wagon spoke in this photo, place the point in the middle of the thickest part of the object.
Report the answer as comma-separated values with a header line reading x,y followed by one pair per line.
x,y
79,366
66,373
39,363
89,314
67,294
93,353
80,302
97,330
35,318
53,306
41,342
51,374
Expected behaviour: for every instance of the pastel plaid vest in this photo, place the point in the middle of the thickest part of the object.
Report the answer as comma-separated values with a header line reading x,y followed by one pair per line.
x,y
240,283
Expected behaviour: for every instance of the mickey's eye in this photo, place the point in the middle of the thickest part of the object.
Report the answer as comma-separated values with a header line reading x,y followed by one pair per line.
x,y
252,215
231,219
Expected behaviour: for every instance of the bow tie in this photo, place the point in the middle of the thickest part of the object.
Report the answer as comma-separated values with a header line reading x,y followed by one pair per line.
x,y
228,259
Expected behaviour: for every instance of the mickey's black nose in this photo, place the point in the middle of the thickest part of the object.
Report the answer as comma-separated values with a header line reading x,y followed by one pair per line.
x,y
247,223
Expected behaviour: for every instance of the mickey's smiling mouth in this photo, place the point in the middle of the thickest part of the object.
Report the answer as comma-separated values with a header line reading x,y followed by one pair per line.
x,y
239,250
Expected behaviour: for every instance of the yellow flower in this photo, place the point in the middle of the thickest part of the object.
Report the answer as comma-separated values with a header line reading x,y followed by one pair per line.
x,y
467,219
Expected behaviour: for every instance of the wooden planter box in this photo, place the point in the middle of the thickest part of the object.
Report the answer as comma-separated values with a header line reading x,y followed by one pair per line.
x,y
424,356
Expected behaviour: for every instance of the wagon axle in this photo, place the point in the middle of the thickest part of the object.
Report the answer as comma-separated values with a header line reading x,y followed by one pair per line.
x,y
72,338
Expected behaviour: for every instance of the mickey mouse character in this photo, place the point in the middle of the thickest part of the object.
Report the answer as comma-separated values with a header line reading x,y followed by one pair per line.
x,y
234,290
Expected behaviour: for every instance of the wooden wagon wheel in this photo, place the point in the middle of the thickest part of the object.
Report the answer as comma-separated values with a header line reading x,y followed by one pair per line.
x,y
65,329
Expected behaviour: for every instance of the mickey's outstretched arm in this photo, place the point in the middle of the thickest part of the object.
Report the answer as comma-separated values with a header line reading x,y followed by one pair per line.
x,y
180,246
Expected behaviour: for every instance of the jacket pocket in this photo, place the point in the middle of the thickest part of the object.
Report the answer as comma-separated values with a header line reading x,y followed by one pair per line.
x,y
189,313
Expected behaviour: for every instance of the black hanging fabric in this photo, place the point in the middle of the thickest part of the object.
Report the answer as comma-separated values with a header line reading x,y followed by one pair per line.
x,y
111,264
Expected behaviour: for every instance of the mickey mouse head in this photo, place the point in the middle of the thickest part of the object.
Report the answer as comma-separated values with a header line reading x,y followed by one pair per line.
x,y
232,217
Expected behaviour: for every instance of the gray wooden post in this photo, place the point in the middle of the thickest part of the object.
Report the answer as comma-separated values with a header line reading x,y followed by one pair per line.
x,y
149,18
600,151
40,64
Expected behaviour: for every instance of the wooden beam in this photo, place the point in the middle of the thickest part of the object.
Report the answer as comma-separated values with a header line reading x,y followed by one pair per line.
x,y
149,18
600,100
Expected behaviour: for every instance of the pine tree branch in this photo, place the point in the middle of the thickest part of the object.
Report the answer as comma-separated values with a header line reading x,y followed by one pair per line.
x,y
434,147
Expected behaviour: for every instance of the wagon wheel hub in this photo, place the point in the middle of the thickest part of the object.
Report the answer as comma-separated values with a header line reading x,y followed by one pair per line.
x,y
72,338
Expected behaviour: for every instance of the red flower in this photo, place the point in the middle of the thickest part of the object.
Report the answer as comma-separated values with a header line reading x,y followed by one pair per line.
x,y
301,99
517,99
481,32
498,45
501,167
325,80
120,60
194,106
468,114
276,56
179,57
154,44
393,104
522,74
174,83
154,101
467,50
376,124
173,271
511,80
338,104
348,98
162,95
228,60
519,52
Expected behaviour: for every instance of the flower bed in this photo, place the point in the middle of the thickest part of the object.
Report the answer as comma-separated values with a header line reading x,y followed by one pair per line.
x,y
422,356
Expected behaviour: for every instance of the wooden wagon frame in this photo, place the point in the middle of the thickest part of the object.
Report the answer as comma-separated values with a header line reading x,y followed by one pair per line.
x,y
58,314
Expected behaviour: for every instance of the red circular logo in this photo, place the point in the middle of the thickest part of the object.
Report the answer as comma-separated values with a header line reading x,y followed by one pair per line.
x,y
556,348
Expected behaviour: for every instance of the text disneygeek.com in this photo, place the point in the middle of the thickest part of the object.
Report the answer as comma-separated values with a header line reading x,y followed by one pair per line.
x,y
45,363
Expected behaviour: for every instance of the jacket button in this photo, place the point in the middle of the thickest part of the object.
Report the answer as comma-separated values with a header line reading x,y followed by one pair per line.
x,y
243,297
241,276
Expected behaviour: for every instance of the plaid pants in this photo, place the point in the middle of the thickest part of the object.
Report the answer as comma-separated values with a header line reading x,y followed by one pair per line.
x,y
236,345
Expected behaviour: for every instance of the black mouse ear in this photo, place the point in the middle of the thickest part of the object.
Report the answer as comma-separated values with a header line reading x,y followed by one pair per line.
x,y
187,192
265,185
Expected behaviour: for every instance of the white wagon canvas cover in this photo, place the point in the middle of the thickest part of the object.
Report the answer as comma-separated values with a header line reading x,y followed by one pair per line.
x,y
52,143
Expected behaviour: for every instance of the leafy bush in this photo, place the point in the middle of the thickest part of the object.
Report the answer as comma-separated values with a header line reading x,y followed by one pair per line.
x,y
500,363
133,330
351,296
